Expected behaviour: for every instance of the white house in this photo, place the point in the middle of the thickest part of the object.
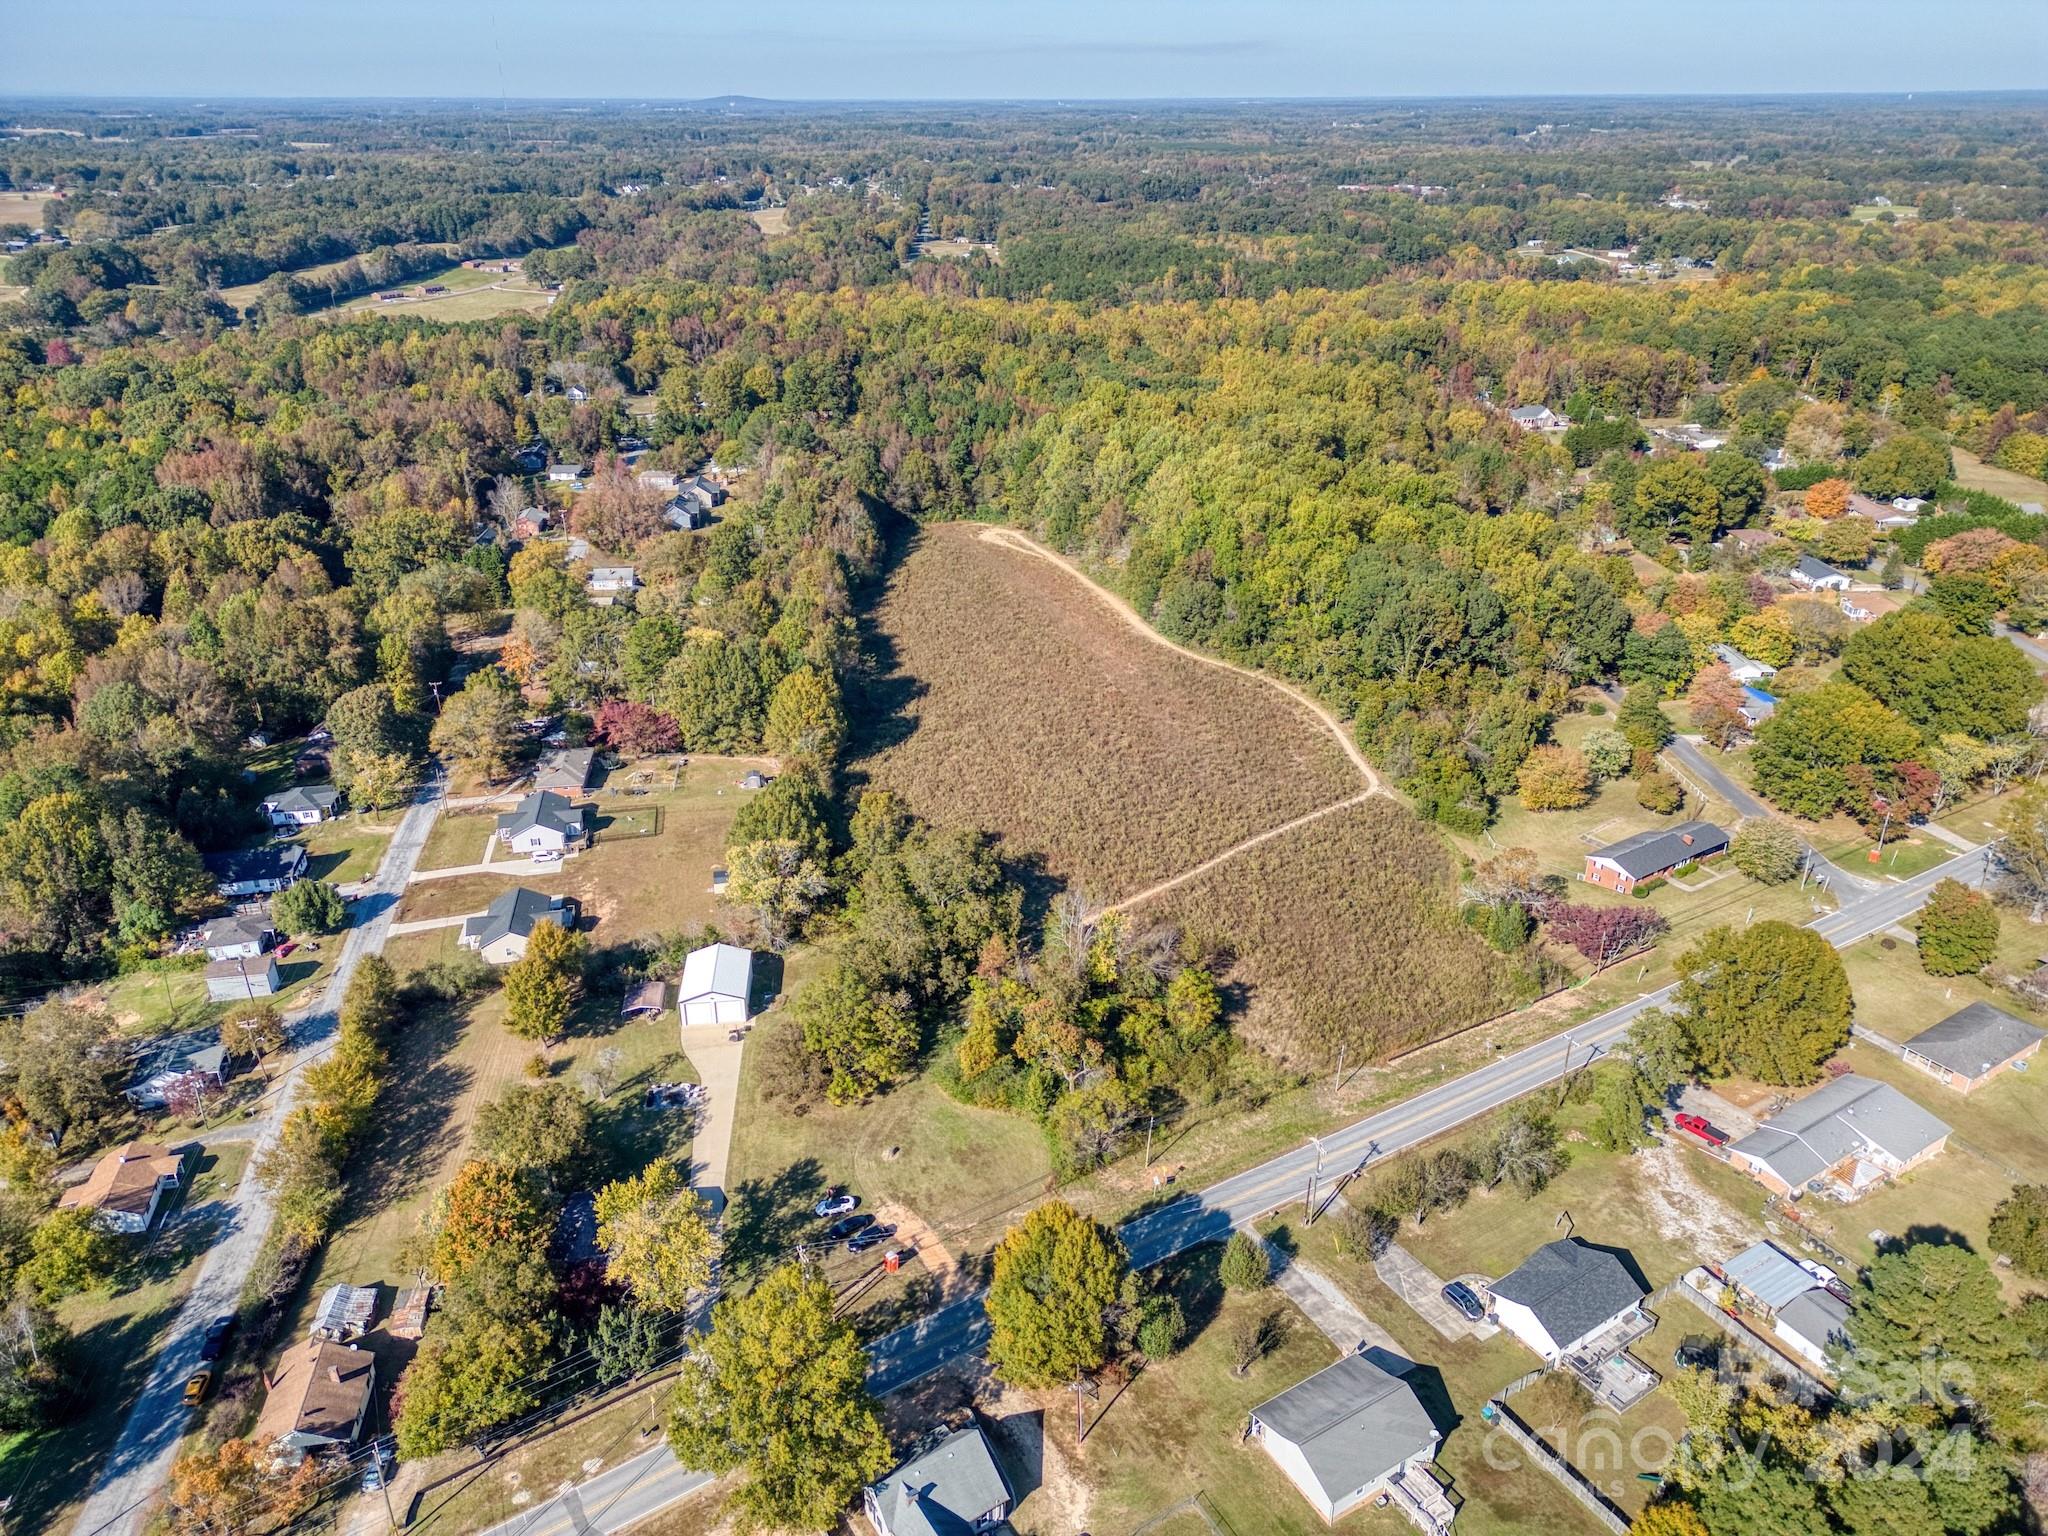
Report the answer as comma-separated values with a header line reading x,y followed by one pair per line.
x,y
196,1059
1810,1322
238,936
303,805
1348,1434
1537,418
501,931
955,1487
126,1187
1742,668
607,582
565,474
1817,576
241,978
1563,1294
543,824
716,983
1851,1131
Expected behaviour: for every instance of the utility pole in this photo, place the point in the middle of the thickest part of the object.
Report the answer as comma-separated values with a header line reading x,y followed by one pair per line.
x,y
1149,1119
1308,1204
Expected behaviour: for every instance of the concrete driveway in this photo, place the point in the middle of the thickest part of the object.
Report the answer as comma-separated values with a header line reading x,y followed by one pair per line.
x,y
1420,1286
139,1466
717,1060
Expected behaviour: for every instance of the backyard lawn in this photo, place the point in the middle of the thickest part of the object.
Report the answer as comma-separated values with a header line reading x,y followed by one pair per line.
x,y
349,848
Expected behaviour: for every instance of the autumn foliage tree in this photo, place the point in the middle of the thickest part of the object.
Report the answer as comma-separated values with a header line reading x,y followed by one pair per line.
x,y
654,1229
1058,1278
1827,499
1554,778
1715,702
236,1487
634,728
1958,930
1604,934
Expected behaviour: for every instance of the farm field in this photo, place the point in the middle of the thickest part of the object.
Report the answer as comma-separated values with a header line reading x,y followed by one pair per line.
x,y
771,221
475,303
1112,761
1345,934
242,293
24,207
1973,474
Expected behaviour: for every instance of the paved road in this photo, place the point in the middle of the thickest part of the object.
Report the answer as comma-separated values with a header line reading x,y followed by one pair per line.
x,y
139,1466
1848,886
635,1489
2035,651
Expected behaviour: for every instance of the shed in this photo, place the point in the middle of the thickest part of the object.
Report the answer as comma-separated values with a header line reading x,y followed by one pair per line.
x,y
409,1312
1809,1323
717,981
238,979
644,1001
1767,1276
346,1312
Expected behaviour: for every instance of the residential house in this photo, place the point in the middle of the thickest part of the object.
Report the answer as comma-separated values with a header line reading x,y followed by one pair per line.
x,y
1973,1045
1767,1278
543,824
716,986
1653,853
318,1398
127,1186
574,1239
1348,1434
530,524
1851,1132
663,480
566,770
952,1488
256,871
239,979
576,394
1741,667
1756,707
1537,418
1564,1295
303,805
238,936
345,1312
1747,541
565,474
1885,516
1816,576
607,583
501,932
683,514
1810,1322
195,1059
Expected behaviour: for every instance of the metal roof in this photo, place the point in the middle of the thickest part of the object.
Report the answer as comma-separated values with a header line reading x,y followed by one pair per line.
x,y
1353,1422
1975,1039
1767,1274
1571,1288
1840,1120
721,970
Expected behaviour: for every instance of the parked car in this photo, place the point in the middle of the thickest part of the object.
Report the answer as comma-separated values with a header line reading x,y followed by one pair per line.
x,y
863,1241
198,1384
1465,1299
218,1332
378,1468
1699,1126
851,1225
837,1202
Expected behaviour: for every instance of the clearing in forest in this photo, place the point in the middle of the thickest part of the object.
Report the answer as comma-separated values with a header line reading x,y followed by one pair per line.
x,y
1016,696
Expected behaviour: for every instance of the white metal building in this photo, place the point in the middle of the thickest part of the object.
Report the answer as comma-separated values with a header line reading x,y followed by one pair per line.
x,y
715,985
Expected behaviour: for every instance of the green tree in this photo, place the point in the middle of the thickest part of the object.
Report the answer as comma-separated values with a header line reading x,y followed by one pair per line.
x,y
1770,1001
2019,859
1739,486
1162,1328
1244,1266
1958,930
479,727
55,869
466,1381
791,809
1908,465
57,1064
1767,849
627,1342
70,1252
1642,723
1058,1277
866,1038
804,723
1623,1098
376,781
542,986
777,1392
779,881
1606,752
308,906
1804,750
1676,497
655,1230
1524,1150
542,1127
2019,1229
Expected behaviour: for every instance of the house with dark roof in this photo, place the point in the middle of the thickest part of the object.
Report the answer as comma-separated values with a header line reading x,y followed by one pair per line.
x,y
1810,1322
241,978
197,1055
1973,1045
543,824
952,1488
1564,1294
1816,575
1851,1132
1537,418
256,871
238,936
318,1398
1348,1434
566,769
303,805
1647,855
501,931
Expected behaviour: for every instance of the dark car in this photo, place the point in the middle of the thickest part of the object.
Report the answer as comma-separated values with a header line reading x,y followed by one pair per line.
x,y
218,1332
851,1225
1465,1299
873,1237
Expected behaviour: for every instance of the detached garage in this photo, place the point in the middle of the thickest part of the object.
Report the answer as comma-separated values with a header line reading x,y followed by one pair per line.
x,y
715,983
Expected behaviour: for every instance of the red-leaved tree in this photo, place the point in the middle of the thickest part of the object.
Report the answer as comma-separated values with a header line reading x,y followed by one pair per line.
x,y
634,727
1603,934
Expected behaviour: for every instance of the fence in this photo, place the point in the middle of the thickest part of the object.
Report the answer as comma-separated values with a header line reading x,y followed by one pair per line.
x,y
1871,1037
1749,1341
1573,1481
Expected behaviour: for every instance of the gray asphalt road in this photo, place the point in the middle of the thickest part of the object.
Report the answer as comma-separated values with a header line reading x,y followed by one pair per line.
x,y
139,1466
1848,886
614,1499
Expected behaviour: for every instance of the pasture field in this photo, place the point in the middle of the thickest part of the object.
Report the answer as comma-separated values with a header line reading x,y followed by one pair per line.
x,y
1345,935
1017,698
1973,474
771,221
24,207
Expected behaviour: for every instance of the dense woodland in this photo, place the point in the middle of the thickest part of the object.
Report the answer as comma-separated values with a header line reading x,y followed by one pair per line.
x,y
1251,367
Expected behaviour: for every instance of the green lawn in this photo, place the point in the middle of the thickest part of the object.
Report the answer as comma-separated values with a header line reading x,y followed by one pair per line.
x,y
457,838
1898,999
348,848
1905,854
156,1002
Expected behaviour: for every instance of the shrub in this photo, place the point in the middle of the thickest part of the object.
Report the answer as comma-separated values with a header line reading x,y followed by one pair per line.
x,y
1163,1329
1658,791
1595,707
1690,866
1645,887
1244,1266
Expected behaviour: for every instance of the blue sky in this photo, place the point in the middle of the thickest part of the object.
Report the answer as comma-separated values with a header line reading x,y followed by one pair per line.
x,y
957,49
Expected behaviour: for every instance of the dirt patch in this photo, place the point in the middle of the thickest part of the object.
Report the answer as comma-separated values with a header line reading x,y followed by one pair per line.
x,y
1685,1211
914,1235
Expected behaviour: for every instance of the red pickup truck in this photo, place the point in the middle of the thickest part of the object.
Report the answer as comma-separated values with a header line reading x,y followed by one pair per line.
x,y
1702,1128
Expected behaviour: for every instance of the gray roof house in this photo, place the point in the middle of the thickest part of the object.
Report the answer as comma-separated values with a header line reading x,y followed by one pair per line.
x,y
1535,418
1346,1434
1743,668
159,1072
1816,575
1854,1129
566,769
1810,1322
302,805
542,823
500,932
241,978
256,871
1973,1045
951,1489
1564,1293
1659,850
239,935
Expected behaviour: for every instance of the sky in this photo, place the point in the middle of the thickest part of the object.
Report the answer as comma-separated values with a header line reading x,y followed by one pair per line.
x,y
632,50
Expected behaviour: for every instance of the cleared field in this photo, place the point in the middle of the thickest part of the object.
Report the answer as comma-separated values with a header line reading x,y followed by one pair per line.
x,y
1345,934
24,207
477,302
1015,697
771,221
1973,474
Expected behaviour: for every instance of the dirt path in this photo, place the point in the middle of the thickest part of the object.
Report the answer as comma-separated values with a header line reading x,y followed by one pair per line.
x,y
1011,539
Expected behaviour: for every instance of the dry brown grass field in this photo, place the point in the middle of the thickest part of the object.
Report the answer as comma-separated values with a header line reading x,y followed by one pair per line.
x,y
1013,697
1345,934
